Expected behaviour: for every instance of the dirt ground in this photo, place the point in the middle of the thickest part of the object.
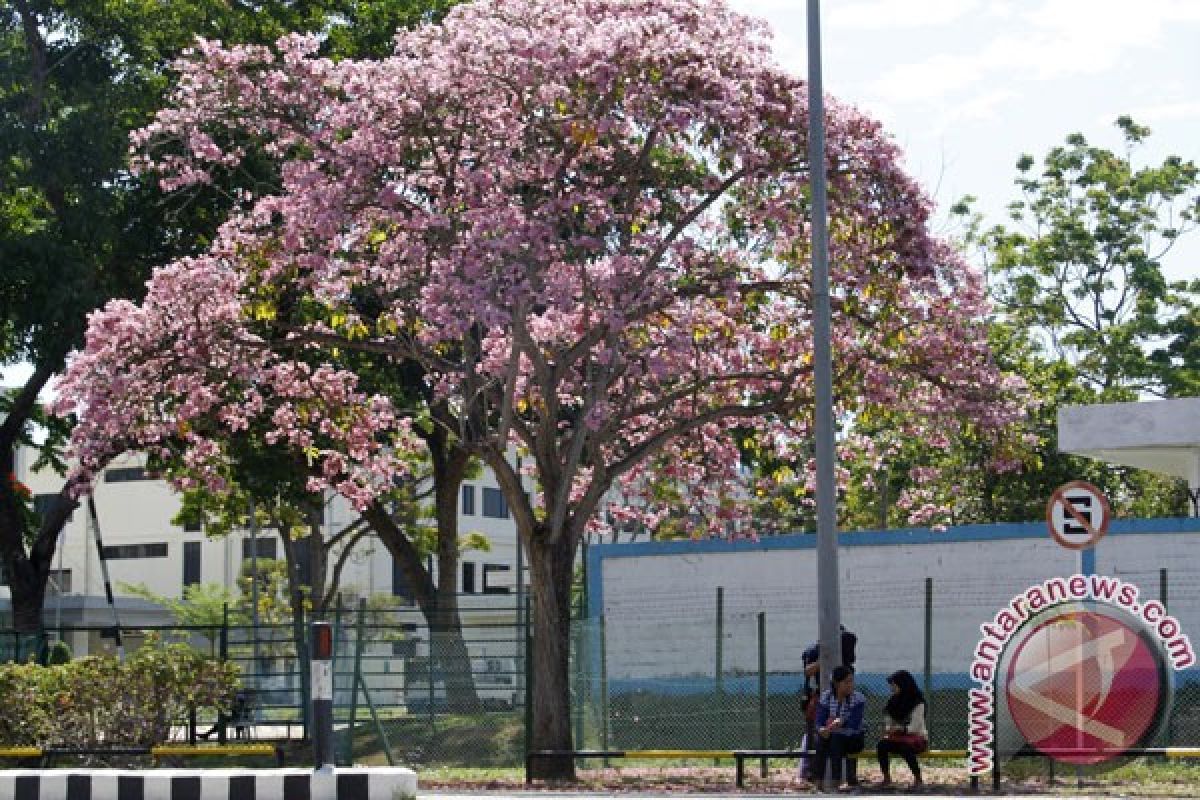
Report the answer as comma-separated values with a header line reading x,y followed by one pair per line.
x,y
939,781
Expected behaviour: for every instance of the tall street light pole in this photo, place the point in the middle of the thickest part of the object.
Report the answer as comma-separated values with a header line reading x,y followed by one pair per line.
x,y
828,606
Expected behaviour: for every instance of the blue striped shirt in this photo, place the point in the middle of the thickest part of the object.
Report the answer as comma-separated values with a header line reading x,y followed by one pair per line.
x,y
851,710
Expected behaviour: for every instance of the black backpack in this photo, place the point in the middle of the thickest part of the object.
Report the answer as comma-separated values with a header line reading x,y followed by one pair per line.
x,y
812,653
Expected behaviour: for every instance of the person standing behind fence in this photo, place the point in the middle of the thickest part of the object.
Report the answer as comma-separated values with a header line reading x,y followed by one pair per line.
x,y
904,731
841,726
811,691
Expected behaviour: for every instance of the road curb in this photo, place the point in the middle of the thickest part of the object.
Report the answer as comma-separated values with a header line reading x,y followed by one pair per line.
x,y
344,783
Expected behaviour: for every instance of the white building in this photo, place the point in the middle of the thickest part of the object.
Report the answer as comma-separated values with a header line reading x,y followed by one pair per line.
x,y
143,546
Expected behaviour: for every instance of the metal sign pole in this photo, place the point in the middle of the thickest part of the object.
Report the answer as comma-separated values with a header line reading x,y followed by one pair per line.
x,y
254,579
828,610
322,694
108,592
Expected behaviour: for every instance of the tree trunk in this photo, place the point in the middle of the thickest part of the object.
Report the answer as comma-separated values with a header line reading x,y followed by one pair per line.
x,y
438,605
27,563
446,643
28,596
296,583
552,566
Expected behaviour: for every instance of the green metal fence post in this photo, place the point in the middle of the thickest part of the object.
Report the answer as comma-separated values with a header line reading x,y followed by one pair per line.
x,y
603,689
383,737
333,656
300,639
718,668
432,673
359,625
337,635
1163,597
580,678
528,680
221,732
929,656
763,724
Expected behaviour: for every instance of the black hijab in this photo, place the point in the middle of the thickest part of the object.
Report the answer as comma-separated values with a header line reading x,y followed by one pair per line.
x,y
900,705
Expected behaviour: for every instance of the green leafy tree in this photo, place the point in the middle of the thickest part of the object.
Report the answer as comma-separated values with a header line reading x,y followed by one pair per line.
x,y
1084,314
76,228
1081,265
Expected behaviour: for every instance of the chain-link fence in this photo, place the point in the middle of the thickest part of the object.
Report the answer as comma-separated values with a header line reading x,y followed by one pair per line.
x,y
431,695
403,692
677,670
724,670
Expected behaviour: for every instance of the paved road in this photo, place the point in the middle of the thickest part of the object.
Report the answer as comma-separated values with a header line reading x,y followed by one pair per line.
x,y
509,794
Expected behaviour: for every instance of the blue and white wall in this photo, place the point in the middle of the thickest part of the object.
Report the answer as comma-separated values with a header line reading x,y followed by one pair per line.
x,y
658,599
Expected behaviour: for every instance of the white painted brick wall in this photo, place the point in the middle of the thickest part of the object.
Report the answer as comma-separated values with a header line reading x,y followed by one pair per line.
x,y
660,609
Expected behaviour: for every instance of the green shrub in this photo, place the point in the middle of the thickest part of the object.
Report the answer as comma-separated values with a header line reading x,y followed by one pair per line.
x,y
60,653
97,701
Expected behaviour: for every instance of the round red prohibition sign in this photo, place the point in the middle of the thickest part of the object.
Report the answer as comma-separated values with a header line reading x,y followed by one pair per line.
x,y
1077,515
1084,687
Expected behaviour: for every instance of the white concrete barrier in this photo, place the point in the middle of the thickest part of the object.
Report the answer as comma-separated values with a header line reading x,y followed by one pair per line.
x,y
342,783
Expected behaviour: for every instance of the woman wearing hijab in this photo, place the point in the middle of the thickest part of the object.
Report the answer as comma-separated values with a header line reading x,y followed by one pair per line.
x,y
904,732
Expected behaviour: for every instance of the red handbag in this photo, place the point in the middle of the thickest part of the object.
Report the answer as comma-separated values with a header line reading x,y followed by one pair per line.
x,y
916,741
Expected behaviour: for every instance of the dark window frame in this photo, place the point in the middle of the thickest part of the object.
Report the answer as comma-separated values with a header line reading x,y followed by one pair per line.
x,y
491,496
488,570
192,563
126,474
127,552
400,585
267,548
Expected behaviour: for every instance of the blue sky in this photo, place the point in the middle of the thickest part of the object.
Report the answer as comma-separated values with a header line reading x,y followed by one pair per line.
x,y
966,86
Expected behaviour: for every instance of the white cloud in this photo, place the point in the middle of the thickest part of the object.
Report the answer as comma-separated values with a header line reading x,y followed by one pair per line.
x,y
985,106
891,14
1057,39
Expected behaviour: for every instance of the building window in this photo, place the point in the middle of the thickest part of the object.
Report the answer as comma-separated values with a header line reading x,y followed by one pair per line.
x,y
124,474
490,570
266,547
494,504
400,586
468,578
191,563
193,526
468,499
113,552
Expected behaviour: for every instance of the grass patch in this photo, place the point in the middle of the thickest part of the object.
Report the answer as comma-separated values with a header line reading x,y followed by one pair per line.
x,y
461,741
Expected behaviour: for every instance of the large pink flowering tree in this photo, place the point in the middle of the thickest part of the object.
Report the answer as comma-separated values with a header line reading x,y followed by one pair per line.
x,y
586,221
